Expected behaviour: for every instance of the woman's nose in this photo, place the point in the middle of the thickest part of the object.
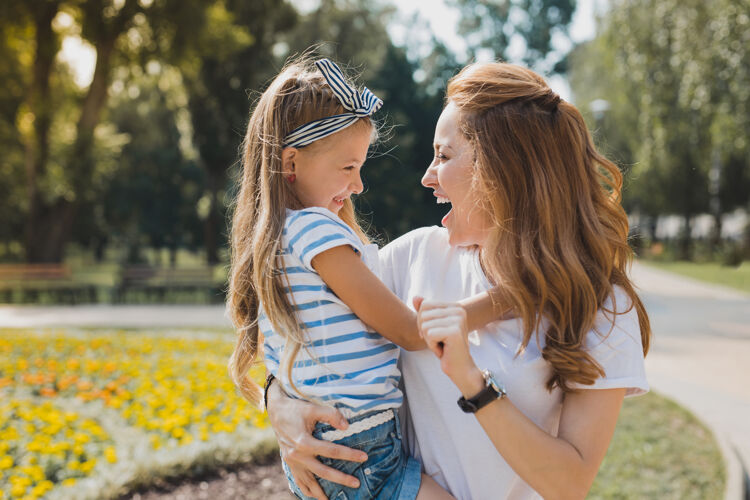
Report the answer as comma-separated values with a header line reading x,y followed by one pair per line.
x,y
429,179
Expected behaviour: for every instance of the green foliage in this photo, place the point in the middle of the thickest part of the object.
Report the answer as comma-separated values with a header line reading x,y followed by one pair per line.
x,y
145,155
676,76
491,25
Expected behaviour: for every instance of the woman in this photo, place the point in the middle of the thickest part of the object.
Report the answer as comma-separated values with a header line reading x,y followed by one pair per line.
x,y
535,212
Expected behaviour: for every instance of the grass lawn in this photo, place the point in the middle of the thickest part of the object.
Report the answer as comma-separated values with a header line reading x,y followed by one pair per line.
x,y
660,450
735,277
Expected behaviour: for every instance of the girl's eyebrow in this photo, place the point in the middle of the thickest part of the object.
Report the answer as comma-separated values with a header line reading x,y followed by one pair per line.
x,y
438,146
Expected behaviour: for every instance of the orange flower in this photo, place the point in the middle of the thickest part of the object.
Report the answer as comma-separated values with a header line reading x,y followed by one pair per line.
x,y
84,385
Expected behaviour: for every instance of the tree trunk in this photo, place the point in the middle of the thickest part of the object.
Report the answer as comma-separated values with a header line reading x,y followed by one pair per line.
x,y
37,146
210,226
686,240
716,233
50,227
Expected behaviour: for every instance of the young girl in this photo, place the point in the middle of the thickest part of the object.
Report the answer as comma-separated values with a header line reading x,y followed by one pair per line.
x,y
303,279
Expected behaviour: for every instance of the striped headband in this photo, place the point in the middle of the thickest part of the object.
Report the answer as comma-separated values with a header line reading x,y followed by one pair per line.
x,y
358,104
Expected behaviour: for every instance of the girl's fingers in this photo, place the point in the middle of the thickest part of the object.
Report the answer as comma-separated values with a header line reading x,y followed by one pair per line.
x,y
417,301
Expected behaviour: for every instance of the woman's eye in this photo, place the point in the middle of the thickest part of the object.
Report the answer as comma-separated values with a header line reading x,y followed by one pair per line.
x,y
350,167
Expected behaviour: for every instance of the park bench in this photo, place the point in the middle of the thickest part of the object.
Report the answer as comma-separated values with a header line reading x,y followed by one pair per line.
x,y
28,282
154,283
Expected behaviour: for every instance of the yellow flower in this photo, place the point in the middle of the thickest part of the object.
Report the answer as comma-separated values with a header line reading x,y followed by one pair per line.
x,y
88,466
17,490
110,454
6,462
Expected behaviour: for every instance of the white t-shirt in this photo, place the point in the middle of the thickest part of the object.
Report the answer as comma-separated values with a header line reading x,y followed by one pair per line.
x,y
452,446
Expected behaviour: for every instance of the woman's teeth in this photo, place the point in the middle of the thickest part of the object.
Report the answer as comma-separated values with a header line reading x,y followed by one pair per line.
x,y
440,200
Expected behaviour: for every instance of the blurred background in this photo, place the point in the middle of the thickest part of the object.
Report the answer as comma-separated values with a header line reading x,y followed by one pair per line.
x,y
120,123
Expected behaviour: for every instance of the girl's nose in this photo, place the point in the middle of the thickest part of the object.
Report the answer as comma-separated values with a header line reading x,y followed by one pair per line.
x,y
356,186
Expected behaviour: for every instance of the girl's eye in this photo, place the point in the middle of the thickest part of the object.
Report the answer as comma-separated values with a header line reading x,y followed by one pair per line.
x,y
440,156
350,167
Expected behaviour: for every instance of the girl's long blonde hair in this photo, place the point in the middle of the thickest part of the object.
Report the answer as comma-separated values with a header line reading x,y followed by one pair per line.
x,y
559,239
298,95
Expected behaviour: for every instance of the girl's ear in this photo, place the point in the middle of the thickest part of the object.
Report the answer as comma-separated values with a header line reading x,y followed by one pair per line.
x,y
288,156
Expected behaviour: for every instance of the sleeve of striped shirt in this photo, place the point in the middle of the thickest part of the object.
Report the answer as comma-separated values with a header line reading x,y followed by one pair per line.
x,y
312,232
271,359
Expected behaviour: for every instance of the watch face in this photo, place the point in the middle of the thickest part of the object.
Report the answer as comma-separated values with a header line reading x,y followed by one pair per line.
x,y
495,384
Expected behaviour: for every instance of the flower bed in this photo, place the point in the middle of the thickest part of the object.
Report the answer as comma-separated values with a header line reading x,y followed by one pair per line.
x,y
90,414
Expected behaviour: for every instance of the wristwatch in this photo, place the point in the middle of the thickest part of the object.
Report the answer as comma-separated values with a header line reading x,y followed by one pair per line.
x,y
493,390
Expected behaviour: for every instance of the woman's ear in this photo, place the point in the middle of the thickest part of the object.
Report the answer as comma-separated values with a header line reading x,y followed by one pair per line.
x,y
288,156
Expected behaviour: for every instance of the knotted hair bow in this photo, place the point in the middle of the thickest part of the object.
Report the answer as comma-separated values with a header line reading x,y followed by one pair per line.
x,y
358,104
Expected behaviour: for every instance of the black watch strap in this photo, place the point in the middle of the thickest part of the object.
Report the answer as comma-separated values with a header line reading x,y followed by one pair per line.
x,y
269,378
491,391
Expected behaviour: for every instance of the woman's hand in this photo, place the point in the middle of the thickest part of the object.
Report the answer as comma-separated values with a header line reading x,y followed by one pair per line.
x,y
443,326
293,421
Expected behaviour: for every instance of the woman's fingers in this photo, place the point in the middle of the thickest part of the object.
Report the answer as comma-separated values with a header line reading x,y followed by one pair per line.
x,y
326,414
427,305
440,312
307,483
303,458
336,451
333,475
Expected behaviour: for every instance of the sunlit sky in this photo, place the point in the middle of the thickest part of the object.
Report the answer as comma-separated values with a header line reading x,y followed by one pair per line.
x,y
440,18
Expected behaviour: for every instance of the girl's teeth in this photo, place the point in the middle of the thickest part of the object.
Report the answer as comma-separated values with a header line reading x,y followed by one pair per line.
x,y
440,199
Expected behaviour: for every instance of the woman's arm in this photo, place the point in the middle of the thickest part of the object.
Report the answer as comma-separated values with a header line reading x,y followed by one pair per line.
x,y
556,467
293,421
360,289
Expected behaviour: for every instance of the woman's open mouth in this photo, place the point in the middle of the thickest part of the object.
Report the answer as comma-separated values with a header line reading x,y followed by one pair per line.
x,y
441,200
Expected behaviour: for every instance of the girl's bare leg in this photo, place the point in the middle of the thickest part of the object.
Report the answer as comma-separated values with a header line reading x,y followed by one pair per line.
x,y
430,490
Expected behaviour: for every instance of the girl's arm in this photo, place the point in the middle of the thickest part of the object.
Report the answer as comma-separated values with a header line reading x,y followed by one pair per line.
x,y
360,289
556,467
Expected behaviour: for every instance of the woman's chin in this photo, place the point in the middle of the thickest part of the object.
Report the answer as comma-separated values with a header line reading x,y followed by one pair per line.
x,y
461,237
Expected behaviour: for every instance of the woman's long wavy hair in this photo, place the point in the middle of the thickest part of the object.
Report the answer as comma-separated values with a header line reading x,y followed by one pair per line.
x,y
298,95
559,240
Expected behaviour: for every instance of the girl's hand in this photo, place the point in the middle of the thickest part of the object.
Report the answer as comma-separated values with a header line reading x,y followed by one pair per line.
x,y
293,422
443,326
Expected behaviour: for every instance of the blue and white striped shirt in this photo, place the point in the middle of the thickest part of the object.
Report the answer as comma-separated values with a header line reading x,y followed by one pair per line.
x,y
344,363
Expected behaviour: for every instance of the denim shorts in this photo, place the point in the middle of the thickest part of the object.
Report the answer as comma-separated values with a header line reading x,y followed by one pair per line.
x,y
388,473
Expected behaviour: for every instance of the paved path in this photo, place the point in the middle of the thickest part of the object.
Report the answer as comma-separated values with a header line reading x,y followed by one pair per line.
x,y
700,355
141,316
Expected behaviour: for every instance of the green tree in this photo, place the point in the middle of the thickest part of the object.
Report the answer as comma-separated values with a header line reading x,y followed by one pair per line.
x,y
233,54
493,24
675,75
58,185
150,197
